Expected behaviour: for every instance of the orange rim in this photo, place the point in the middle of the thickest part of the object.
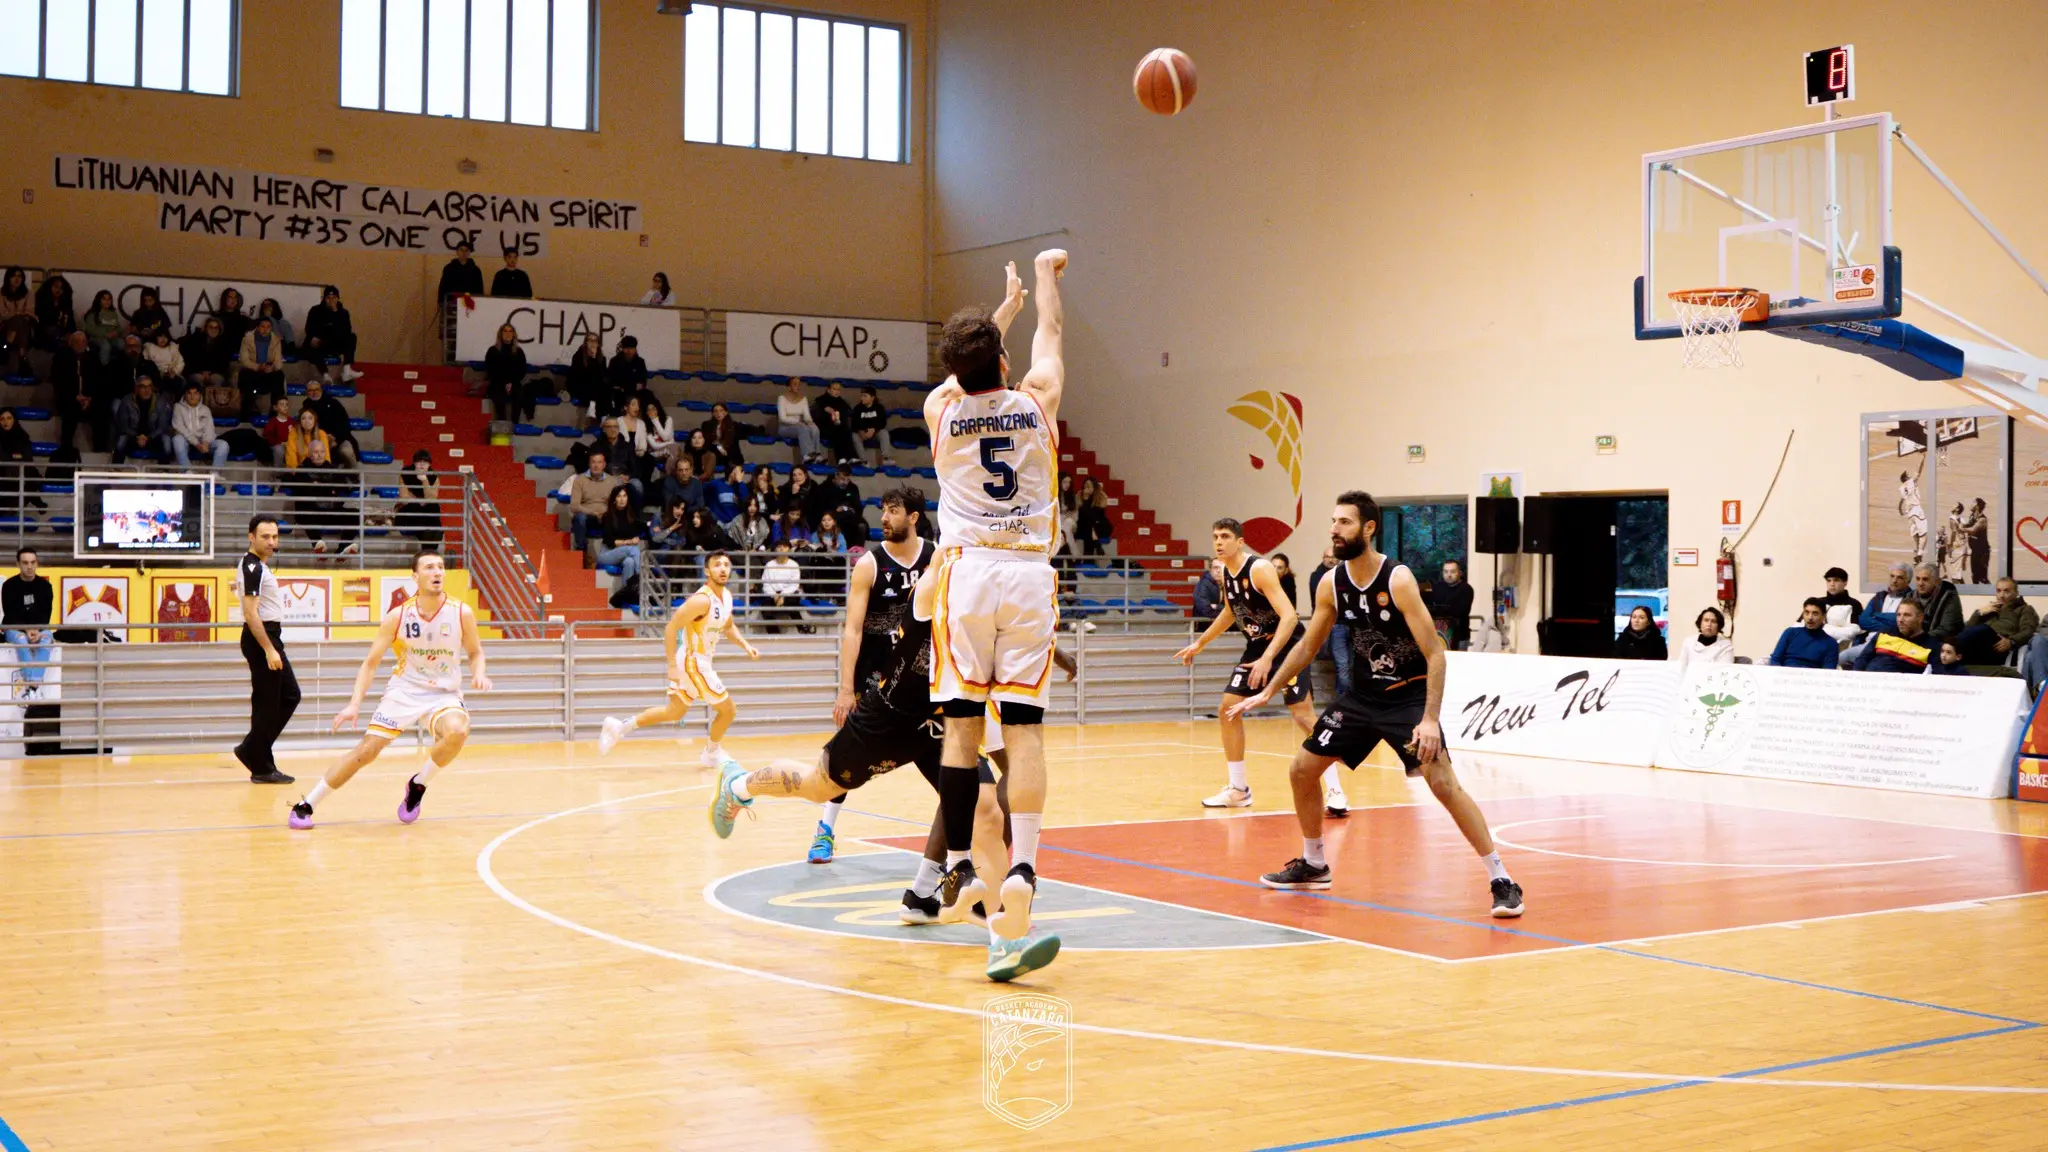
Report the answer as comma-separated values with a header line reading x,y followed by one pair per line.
x,y
1756,311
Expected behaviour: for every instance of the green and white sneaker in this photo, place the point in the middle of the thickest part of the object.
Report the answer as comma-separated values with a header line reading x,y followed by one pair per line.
x,y
1009,959
724,805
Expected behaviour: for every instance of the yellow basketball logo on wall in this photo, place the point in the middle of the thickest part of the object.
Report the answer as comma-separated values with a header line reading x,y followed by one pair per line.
x,y
1278,416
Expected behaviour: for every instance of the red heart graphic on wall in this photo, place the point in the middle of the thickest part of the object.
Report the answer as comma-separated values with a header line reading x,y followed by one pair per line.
x,y
2040,531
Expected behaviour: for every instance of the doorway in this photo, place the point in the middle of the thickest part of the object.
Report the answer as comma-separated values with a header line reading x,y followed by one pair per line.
x,y
1611,555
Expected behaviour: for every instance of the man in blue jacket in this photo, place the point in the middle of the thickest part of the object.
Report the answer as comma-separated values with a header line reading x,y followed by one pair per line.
x,y
1881,614
1806,644
1905,650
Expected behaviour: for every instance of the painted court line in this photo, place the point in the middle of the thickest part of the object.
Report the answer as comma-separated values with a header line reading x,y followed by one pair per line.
x,y
485,871
1500,839
9,1142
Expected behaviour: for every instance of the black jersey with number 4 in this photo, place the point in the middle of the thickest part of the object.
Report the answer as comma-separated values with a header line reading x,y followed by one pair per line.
x,y
1255,614
1385,657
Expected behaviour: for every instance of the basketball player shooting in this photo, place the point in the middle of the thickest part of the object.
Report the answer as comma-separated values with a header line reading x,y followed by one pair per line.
x,y
997,457
426,632
1255,604
1397,693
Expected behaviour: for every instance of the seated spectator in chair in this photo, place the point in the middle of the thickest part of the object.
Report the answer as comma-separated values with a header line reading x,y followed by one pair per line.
x,y
192,431
1908,649
1450,604
672,534
127,366
142,423
18,451
1806,644
510,280
623,534
1949,662
234,322
149,317
1209,592
702,533
419,514
210,360
660,295
839,496
681,485
782,590
794,418
1881,614
752,529
657,441
330,334
620,460
762,487
1710,646
272,311
727,497
828,537
1640,640
56,317
325,499
1838,592
590,494
1942,605
589,383
871,429
168,362
835,424
277,430
333,419
722,433
262,361
1093,519
796,495
626,375
103,325
791,530
306,434
1993,631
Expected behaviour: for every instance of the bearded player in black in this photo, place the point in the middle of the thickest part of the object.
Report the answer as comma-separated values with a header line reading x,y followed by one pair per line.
x,y
1397,691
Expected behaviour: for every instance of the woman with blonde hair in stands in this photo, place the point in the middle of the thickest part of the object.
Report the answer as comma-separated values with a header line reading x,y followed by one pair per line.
x,y
298,447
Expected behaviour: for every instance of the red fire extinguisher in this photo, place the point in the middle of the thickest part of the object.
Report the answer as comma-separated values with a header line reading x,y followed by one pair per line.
x,y
1724,580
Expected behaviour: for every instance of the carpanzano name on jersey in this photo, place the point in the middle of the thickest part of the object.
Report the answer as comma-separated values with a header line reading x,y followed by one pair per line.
x,y
1003,422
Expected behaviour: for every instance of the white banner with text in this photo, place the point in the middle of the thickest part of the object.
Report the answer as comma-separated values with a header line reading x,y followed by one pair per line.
x,y
768,345
1607,711
1949,734
189,302
552,330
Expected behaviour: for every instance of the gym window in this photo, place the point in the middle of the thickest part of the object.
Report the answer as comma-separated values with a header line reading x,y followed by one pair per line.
x,y
1424,533
791,82
523,61
168,45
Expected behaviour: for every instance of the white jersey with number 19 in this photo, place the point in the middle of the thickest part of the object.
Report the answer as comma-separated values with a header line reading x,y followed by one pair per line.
x,y
997,457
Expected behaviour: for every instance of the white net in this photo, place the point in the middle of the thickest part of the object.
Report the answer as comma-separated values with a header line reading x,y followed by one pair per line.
x,y
1710,322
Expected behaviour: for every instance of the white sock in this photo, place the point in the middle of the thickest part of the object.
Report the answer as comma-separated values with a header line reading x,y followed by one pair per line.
x,y
739,788
927,881
716,752
1495,870
1312,851
1332,781
426,775
1239,778
831,817
320,792
1024,838
953,858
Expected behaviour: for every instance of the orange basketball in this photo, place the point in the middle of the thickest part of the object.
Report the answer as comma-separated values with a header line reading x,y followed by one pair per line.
x,y
1165,81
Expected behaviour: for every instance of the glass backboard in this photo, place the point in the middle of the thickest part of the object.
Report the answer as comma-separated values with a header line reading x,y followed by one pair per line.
x,y
1804,214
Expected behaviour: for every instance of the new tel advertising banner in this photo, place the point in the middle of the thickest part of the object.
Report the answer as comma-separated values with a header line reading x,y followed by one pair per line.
x,y
1606,711
1954,735
766,345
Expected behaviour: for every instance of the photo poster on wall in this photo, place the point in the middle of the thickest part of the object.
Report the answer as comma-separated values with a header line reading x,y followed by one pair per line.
x,y
1969,530
2029,503
1938,488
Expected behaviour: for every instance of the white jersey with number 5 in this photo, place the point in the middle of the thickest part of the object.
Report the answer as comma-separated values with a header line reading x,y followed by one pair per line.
x,y
997,457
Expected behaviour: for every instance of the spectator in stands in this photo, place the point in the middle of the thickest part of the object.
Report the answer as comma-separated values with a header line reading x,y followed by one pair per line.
x,y
56,312
142,422
728,496
1284,569
1838,593
1807,644
1337,649
1905,649
330,335
149,316
262,361
751,529
1881,614
793,418
681,486
1070,514
510,281
624,535
1450,604
233,321
589,382
660,434
782,589
839,496
168,362
333,419
633,426
127,366
74,389
659,296
18,452
272,311
192,430
1992,632
306,433
723,434
1094,518
209,358
626,375
835,424
791,530
590,493
672,531
1209,592
828,537
1710,645
1950,661
871,428
796,495
102,324
698,448
619,451
419,514
326,499
17,320
705,534
505,375
1640,640
460,276
26,603
1942,605
762,487
277,430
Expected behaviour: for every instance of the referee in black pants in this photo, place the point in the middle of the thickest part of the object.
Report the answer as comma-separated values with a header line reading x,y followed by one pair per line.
x,y
273,690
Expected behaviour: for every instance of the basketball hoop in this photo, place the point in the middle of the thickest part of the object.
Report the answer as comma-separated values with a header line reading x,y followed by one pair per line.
x,y
1710,318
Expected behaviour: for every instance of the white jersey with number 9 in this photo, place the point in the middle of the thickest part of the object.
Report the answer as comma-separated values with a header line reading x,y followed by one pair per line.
x,y
997,457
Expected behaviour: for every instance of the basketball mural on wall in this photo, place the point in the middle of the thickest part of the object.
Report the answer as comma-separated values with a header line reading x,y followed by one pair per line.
x,y
1277,415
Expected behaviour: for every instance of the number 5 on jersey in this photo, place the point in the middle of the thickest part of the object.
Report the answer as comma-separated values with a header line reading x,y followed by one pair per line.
x,y
1004,486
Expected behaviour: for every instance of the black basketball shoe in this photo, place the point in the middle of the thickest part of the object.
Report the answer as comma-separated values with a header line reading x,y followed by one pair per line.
x,y
959,890
1298,876
1507,899
918,909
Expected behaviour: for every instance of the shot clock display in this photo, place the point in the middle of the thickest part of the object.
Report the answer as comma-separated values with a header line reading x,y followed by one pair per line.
x,y
1831,75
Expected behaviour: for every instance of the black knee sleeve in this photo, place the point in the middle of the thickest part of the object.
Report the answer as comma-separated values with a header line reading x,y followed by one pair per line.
x,y
959,792
962,709
1018,714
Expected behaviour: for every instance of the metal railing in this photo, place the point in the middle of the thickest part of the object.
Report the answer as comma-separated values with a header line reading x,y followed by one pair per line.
x,y
556,682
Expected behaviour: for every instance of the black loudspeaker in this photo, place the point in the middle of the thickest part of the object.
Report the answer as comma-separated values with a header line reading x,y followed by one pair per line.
x,y
1539,525
1500,525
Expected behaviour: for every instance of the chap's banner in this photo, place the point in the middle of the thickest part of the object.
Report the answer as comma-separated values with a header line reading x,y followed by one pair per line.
x,y
236,202
1609,711
190,301
824,346
1949,734
552,330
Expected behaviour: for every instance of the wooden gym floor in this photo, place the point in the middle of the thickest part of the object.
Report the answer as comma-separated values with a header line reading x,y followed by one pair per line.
x,y
560,955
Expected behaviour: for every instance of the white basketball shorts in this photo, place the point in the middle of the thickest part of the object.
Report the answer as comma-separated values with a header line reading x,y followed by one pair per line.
x,y
993,631
405,705
695,681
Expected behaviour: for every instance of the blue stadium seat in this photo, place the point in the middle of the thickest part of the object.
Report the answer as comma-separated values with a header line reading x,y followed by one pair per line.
x,y
46,448
863,470
547,462
764,441
781,467
32,413
931,505
561,497
376,457
927,473
295,389
894,472
697,406
608,569
526,429
360,423
57,489
225,422
906,413
547,400
872,502
60,523
670,374
563,431
242,456
23,381
746,377
874,534
377,532
909,437
341,391
384,493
